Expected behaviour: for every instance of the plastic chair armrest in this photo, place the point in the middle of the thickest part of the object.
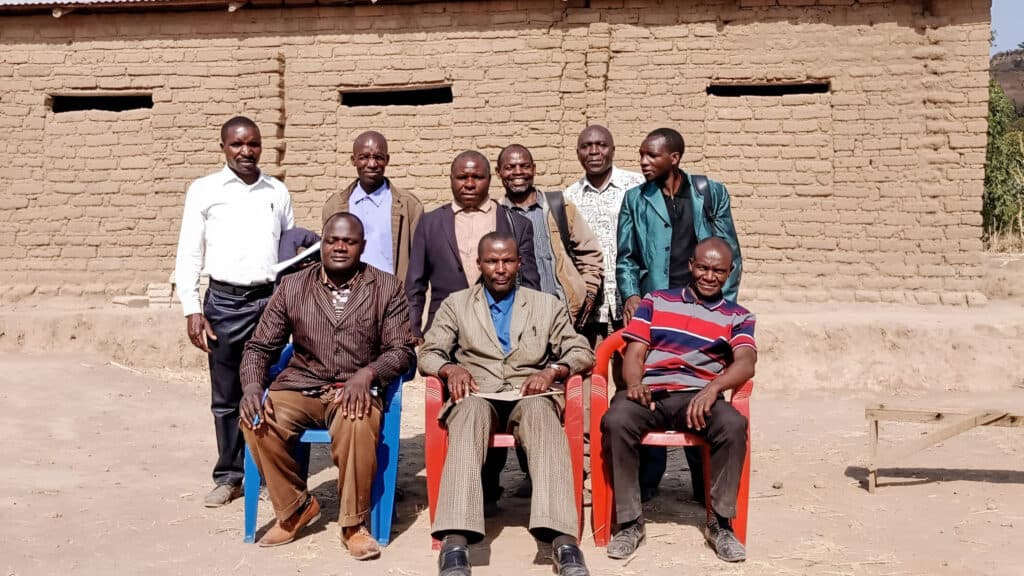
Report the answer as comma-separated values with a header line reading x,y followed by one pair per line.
x,y
741,398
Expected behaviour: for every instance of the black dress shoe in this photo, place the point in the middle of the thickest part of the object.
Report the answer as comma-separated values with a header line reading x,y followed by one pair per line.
x,y
491,508
454,561
568,559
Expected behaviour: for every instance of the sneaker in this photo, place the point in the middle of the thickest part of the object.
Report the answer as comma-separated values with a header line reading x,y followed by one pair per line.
x,y
725,543
491,508
525,489
221,495
626,541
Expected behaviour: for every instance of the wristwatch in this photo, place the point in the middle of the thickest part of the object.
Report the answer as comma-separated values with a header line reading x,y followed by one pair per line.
x,y
557,367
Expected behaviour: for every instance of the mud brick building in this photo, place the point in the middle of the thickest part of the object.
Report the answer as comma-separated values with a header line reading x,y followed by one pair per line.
x,y
851,133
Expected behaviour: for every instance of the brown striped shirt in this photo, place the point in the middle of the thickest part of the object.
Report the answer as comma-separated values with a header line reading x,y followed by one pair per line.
x,y
372,330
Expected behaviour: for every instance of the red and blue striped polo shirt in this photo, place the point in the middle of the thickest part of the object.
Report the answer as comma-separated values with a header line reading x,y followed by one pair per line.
x,y
690,342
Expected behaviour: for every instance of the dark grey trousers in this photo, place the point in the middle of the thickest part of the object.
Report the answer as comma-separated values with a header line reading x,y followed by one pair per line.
x,y
625,424
233,319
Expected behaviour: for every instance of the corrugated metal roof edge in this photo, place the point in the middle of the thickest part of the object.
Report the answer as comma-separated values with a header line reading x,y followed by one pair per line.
x,y
68,6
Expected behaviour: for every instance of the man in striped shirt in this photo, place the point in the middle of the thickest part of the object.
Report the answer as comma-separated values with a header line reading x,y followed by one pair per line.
x,y
349,323
685,349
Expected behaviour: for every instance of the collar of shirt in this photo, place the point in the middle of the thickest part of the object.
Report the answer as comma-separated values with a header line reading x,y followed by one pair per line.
x,y
330,285
690,298
376,197
539,201
503,306
684,186
229,175
486,207
613,182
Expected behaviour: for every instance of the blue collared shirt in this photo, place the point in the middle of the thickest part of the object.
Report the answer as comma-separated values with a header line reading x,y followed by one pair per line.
x,y
374,209
501,316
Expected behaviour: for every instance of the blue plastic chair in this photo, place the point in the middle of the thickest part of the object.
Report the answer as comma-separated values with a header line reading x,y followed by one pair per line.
x,y
382,493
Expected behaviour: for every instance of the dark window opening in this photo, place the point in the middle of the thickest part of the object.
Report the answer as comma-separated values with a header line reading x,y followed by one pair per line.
x,y
109,103
734,90
400,97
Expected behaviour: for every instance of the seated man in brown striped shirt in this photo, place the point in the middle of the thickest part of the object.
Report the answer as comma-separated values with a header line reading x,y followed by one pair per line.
x,y
349,324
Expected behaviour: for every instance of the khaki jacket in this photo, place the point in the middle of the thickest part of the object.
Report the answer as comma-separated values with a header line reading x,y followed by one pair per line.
x,y
406,211
584,271
541,333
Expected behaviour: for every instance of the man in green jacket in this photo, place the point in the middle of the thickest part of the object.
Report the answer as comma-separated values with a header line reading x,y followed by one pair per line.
x,y
660,223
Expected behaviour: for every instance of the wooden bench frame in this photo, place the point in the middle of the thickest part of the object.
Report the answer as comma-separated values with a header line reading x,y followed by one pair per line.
x,y
953,424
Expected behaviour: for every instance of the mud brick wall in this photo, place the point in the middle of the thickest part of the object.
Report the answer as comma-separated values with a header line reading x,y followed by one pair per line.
x,y
869,191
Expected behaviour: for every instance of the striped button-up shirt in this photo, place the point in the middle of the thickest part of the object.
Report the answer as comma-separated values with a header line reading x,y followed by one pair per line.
x,y
339,294
690,341
372,330
537,214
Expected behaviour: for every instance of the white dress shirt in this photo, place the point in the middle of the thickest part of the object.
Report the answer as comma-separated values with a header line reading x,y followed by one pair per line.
x,y
600,208
231,231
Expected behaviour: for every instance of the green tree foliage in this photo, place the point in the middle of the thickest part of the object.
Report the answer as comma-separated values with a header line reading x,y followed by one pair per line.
x,y
1001,210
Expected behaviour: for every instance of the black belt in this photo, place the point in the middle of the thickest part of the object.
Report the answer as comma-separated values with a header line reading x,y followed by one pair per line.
x,y
256,291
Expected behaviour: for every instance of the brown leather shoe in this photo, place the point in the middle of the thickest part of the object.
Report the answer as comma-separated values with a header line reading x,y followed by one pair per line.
x,y
360,543
284,532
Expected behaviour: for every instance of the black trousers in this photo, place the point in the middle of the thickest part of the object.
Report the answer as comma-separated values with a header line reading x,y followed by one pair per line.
x,y
233,319
625,424
653,459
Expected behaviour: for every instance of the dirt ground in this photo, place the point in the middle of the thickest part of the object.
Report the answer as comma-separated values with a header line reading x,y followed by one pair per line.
x,y
105,468
109,447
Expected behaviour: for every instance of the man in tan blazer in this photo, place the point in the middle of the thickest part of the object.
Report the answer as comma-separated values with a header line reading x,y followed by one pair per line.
x,y
502,350
389,213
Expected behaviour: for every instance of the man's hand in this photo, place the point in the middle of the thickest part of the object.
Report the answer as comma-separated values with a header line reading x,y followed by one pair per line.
x,y
199,330
629,308
250,407
585,310
417,341
538,382
700,408
354,397
640,394
460,382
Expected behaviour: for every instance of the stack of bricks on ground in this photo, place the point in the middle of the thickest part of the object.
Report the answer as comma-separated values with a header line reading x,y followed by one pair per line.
x,y
867,190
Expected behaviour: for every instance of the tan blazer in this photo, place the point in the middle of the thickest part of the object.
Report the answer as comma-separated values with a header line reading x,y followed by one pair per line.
x,y
406,210
541,333
583,271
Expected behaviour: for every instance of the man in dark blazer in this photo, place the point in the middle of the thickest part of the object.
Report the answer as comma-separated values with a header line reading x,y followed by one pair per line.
x,y
443,251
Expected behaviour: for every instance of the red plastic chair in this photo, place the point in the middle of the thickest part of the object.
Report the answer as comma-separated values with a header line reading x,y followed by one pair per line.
x,y
602,495
437,441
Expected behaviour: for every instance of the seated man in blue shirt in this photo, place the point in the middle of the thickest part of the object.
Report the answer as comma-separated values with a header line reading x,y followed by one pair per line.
x,y
502,350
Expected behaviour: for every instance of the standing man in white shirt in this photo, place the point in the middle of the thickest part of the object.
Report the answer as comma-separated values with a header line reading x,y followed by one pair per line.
x,y
598,196
231,227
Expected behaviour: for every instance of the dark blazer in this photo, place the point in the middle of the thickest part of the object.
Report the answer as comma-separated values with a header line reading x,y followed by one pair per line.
x,y
434,260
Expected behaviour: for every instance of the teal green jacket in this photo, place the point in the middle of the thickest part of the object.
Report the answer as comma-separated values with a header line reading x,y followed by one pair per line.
x,y
645,235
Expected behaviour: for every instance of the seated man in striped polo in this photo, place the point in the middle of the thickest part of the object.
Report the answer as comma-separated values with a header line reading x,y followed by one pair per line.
x,y
685,348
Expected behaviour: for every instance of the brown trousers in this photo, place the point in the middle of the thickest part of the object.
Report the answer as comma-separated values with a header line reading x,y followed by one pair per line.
x,y
353,449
